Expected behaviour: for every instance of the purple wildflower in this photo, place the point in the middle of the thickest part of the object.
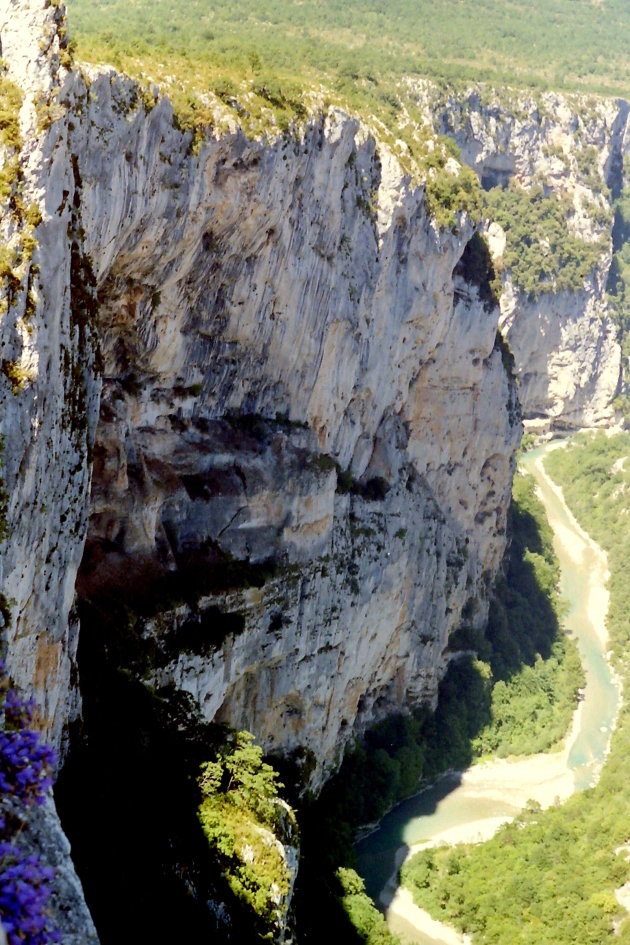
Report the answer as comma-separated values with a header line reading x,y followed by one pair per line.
x,y
26,766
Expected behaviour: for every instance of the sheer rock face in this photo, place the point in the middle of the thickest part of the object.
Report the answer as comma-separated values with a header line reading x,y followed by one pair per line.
x,y
48,415
288,379
567,356
297,280
44,836
293,382
48,412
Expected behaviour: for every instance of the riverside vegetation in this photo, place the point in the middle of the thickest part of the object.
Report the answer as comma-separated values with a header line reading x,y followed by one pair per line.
x,y
550,876
516,696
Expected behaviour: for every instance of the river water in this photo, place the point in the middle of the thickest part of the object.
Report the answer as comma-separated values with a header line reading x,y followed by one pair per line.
x,y
451,804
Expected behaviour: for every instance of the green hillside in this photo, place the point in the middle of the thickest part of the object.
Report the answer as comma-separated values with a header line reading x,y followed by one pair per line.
x,y
563,44
265,64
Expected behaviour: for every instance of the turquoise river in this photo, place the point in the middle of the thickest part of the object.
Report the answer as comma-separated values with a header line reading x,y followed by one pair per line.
x,y
451,805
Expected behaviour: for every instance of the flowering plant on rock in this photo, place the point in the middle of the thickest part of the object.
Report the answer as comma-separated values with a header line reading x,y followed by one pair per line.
x,y
26,766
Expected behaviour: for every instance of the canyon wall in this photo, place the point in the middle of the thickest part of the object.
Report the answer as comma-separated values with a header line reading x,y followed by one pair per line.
x,y
573,147
294,381
48,407
300,394
248,390
49,387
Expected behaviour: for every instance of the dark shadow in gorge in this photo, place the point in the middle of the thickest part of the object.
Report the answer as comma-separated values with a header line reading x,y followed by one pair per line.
x,y
377,853
386,767
128,798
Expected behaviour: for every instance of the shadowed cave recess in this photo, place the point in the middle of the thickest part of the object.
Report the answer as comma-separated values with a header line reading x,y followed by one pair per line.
x,y
276,542
284,385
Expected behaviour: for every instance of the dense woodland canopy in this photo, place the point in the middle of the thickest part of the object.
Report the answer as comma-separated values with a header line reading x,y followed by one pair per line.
x,y
547,43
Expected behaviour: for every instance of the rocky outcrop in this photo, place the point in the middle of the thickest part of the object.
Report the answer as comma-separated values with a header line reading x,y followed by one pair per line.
x,y
48,387
48,408
565,344
45,838
294,381
569,356
307,425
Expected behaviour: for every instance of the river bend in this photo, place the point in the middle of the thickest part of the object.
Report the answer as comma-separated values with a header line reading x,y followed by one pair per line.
x,y
472,805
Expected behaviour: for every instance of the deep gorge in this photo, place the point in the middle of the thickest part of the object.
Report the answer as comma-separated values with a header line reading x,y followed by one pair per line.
x,y
259,415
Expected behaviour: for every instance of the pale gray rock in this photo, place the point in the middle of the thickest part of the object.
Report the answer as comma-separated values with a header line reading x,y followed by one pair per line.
x,y
47,426
569,357
293,380
265,336
567,353
45,837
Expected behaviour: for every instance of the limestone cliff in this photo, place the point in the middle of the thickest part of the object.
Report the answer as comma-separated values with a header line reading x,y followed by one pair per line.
x,y
307,424
565,344
48,389
48,403
289,380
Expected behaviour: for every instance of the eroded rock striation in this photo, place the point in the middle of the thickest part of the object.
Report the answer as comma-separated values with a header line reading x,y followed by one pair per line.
x,y
565,343
307,423
293,379
48,403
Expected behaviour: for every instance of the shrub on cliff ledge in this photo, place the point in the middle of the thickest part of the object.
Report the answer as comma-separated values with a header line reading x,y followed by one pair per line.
x,y
241,815
477,268
10,104
449,193
541,252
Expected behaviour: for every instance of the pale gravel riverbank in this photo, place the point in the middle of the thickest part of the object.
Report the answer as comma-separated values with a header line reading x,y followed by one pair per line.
x,y
574,541
545,778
